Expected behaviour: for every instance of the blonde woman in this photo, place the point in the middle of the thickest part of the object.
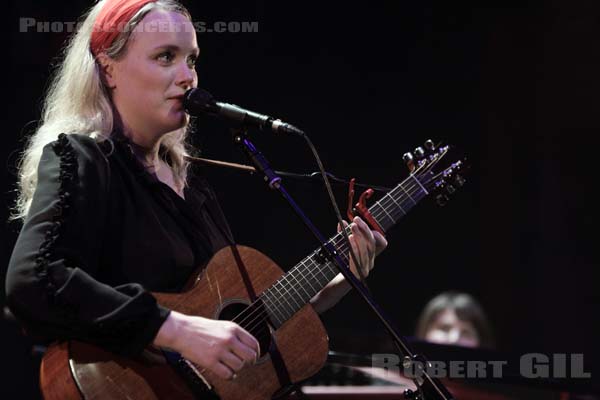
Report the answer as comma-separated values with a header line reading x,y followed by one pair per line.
x,y
111,210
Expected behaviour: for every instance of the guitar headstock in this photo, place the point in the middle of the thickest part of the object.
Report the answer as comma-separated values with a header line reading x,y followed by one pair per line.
x,y
439,171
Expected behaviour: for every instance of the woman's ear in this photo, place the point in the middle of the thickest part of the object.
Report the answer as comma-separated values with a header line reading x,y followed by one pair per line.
x,y
107,70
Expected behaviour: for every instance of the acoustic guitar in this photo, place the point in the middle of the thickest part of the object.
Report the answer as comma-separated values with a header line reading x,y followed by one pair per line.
x,y
245,286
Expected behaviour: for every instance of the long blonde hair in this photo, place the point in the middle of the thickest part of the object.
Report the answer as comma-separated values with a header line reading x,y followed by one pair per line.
x,y
77,101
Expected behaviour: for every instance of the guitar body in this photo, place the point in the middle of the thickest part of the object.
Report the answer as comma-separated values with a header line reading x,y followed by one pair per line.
x,y
296,351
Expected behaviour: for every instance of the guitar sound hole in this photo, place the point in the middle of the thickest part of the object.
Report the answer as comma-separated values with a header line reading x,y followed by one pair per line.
x,y
252,318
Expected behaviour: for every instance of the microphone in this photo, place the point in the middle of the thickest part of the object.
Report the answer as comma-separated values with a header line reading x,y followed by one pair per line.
x,y
198,101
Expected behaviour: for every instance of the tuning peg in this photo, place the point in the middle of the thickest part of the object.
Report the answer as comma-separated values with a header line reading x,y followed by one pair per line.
x,y
419,153
450,189
409,161
429,145
459,181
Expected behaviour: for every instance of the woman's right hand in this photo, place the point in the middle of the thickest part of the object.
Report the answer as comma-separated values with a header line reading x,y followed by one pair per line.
x,y
223,347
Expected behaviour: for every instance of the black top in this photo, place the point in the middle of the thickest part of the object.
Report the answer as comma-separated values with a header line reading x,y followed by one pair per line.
x,y
100,234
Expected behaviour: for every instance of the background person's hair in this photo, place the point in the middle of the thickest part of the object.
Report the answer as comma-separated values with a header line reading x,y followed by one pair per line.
x,y
466,308
77,101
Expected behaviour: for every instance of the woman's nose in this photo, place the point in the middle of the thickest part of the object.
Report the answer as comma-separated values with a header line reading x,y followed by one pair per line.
x,y
186,76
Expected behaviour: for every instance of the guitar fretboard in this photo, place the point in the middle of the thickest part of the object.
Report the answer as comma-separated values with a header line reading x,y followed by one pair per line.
x,y
295,288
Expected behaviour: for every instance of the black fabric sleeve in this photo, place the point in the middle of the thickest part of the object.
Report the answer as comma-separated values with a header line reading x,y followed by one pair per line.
x,y
50,283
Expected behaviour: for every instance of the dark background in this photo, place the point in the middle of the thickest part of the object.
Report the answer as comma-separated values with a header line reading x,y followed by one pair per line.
x,y
513,84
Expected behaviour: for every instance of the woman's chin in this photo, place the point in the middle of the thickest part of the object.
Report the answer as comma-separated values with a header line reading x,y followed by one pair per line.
x,y
177,120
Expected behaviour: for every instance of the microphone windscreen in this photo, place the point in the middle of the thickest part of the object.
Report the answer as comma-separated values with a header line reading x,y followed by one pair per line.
x,y
197,101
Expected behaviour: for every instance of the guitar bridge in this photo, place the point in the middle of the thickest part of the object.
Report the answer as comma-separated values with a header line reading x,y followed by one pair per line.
x,y
190,374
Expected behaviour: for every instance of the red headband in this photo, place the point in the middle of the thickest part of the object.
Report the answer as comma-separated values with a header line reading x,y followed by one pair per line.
x,y
111,20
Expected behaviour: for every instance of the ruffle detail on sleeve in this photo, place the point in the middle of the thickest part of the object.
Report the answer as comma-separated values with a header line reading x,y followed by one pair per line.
x,y
68,180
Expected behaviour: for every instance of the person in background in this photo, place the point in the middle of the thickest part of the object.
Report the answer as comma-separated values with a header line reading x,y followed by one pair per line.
x,y
455,318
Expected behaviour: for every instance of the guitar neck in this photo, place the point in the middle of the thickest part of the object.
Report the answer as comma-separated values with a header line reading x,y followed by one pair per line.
x,y
295,288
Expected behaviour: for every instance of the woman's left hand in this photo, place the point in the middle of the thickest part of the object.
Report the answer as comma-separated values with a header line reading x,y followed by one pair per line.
x,y
367,244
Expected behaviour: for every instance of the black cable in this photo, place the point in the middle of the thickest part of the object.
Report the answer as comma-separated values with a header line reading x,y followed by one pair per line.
x,y
338,215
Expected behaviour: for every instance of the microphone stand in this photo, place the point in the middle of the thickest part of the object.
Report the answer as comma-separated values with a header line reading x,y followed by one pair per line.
x,y
429,388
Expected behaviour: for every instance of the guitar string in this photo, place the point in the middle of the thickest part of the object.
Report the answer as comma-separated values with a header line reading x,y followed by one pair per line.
x,y
283,284
389,196
307,280
335,239
261,313
340,247
252,325
336,243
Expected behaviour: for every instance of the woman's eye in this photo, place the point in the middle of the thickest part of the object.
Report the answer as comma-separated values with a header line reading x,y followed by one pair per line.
x,y
192,61
165,57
